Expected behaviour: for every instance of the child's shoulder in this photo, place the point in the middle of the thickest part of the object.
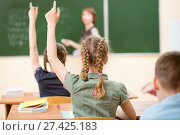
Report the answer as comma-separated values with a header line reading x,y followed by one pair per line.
x,y
42,74
118,90
115,85
151,113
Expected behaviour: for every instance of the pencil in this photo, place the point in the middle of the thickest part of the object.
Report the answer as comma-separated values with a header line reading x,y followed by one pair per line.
x,y
58,106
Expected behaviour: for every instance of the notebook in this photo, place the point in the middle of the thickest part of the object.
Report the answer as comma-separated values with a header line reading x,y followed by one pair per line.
x,y
34,103
67,114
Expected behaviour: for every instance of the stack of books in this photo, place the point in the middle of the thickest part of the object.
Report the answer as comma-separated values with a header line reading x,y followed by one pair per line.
x,y
14,92
34,106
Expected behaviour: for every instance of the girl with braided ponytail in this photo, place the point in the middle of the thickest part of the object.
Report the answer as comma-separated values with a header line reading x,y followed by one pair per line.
x,y
48,82
92,94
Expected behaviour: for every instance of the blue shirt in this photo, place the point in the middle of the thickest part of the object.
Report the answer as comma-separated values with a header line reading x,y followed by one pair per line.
x,y
167,109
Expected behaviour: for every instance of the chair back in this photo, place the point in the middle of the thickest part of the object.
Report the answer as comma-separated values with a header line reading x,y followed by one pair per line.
x,y
58,99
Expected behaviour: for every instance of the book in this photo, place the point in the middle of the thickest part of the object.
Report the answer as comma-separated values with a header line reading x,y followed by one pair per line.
x,y
34,103
33,109
14,89
14,92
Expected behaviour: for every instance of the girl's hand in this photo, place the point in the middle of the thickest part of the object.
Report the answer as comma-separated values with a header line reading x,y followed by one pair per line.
x,y
33,12
52,16
149,88
66,42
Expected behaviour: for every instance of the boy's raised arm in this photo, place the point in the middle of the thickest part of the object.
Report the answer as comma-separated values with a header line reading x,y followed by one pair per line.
x,y
52,18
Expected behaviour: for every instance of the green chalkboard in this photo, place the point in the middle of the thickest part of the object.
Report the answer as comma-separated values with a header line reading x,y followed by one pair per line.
x,y
134,26
14,23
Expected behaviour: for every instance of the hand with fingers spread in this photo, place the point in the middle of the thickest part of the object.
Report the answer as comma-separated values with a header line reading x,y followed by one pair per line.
x,y
33,13
149,88
66,42
52,16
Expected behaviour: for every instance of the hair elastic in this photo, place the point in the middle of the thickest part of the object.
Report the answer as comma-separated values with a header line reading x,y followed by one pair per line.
x,y
100,74
86,74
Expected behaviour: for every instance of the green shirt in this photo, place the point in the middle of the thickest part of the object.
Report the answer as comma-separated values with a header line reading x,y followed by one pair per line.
x,y
85,103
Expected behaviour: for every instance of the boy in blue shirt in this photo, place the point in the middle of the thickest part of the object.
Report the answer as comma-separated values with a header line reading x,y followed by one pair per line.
x,y
166,88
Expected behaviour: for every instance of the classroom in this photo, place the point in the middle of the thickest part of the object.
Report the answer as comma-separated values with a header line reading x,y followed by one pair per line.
x,y
137,38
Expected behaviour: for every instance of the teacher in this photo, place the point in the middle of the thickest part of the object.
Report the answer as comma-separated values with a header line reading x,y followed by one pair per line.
x,y
88,18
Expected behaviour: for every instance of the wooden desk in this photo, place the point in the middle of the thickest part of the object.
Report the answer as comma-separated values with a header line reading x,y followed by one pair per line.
x,y
53,113
17,100
139,107
8,101
132,95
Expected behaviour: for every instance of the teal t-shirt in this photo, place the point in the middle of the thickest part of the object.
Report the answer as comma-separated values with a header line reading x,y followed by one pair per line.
x,y
84,101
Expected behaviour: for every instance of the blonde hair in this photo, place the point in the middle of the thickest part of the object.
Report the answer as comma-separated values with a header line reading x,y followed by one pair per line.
x,y
94,51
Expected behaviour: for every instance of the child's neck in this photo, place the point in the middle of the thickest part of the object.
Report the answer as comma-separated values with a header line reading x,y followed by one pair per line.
x,y
167,93
92,69
88,26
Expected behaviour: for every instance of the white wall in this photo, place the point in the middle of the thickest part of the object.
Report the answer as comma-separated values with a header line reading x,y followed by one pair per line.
x,y
169,10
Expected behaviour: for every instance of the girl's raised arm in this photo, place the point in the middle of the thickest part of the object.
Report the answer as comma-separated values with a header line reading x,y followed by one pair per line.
x,y
33,13
52,18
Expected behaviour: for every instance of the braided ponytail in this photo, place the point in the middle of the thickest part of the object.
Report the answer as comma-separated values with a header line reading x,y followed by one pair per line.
x,y
84,74
100,91
94,51
45,61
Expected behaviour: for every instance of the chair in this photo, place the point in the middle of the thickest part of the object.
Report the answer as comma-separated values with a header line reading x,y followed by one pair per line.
x,y
92,118
58,100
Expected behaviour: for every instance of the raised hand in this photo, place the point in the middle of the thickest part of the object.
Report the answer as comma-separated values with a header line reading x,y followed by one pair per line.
x,y
149,88
66,42
52,16
33,12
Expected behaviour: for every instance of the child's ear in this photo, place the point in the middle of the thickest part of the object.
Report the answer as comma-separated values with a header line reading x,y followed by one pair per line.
x,y
106,60
156,84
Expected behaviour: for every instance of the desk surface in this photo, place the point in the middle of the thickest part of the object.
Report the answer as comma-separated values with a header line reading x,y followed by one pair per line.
x,y
32,96
139,106
53,113
17,100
